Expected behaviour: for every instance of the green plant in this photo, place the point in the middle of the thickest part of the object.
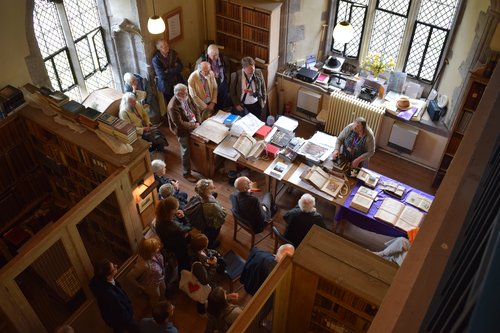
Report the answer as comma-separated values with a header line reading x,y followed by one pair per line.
x,y
378,63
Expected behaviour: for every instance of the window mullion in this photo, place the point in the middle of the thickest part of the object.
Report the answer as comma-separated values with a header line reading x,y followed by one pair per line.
x,y
407,36
365,40
72,49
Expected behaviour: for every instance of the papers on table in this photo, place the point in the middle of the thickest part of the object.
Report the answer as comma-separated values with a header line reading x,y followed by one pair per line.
x,y
278,169
295,179
249,124
226,150
286,124
319,147
212,130
220,116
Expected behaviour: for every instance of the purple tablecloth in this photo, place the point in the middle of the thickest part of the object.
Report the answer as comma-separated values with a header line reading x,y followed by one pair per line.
x,y
367,221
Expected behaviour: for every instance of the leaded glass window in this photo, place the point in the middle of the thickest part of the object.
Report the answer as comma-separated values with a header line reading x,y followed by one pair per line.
x,y
71,42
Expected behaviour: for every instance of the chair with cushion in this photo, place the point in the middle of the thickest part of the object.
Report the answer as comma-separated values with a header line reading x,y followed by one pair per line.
x,y
279,239
241,223
234,267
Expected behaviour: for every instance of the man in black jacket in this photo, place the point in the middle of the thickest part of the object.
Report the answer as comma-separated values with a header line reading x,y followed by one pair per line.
x,y
301,219
116,308
249,207
260,264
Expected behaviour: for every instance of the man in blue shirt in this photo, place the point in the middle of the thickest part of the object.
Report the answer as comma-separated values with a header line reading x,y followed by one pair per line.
x,y
159,323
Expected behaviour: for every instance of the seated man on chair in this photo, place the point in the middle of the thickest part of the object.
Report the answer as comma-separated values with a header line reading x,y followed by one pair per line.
x,y
356,143
260,264
301,219
249,207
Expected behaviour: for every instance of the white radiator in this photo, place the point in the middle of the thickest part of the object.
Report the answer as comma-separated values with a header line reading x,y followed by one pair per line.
x,y
343,109
308,101
403,136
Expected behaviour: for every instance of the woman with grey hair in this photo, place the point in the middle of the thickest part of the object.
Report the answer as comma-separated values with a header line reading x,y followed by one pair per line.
x,y
206,213
355,143
159,168
301,219
133,113
142,90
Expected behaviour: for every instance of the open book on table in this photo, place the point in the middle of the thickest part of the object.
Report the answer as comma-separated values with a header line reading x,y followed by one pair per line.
x,y
248,147
419,201
363,199
369,178
323,181
212,130
398,214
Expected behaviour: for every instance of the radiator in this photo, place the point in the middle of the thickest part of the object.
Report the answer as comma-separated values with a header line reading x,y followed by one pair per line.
x,y
343,109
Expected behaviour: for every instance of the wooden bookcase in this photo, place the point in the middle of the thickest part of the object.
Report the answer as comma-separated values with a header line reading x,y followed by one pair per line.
x,y
340,290
474,92
46,169
250,28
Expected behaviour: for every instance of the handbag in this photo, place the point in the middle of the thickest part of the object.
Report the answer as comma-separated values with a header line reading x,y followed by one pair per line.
x,y
193,288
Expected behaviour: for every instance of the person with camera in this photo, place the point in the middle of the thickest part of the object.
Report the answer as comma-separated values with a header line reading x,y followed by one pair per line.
x,y
248,89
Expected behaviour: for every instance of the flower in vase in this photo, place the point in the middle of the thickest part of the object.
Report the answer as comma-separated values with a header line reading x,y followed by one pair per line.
x,y
378,63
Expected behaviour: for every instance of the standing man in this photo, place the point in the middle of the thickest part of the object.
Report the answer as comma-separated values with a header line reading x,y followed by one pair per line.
x,y
183,117
219,64
249,207
203,89
248,89
168,67
301,219
114,304
161,321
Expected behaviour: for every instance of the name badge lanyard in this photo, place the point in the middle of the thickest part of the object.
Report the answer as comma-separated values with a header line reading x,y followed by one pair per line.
x,y
249,84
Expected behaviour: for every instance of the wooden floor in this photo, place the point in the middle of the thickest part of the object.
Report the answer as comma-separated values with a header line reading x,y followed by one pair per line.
x,y
186,319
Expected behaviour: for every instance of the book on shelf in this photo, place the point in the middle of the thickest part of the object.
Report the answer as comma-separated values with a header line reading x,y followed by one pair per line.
x,y
248,147
323,181
419,201
363,199
369,178
398,214
107,118
212,130
72,109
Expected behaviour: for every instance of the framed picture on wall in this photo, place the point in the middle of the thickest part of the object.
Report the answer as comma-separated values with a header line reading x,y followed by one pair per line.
x,y
173,25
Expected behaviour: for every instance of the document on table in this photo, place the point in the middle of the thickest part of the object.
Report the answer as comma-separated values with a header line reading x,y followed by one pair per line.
x,y
212,130
248,124
278,169
295,179
220,116
226,150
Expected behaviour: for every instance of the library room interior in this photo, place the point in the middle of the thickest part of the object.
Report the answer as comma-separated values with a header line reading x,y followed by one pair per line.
x,y
249,166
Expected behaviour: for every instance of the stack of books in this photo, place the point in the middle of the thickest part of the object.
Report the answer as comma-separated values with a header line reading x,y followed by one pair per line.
x,y
118,128
88,118
71,110
57,99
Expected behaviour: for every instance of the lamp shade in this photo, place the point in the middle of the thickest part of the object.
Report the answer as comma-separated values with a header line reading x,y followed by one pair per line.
x,y
156,25
343,32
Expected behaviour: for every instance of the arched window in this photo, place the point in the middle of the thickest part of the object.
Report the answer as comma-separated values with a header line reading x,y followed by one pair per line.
x,y
70,37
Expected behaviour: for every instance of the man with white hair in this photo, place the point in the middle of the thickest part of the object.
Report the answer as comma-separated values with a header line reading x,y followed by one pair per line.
x,y
260,264
301,219
203,89
183,117
219,64
249,207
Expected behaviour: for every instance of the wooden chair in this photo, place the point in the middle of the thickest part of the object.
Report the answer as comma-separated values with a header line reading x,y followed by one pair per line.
x,y
234,267
279,239
241,223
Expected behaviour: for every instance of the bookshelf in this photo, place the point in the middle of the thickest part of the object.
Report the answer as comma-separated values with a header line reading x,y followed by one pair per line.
x,y
345,285
473,94
250,28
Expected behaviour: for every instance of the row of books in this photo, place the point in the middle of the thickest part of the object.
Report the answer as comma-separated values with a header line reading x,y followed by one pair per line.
x,y
256,51
228,26
255,18
231,44
347,297
223,7
256,35
120,129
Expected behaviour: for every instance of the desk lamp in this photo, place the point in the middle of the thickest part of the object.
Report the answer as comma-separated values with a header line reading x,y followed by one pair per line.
x,y
342,33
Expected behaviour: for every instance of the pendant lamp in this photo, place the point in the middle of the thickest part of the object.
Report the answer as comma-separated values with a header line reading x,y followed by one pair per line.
x,y
156,25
